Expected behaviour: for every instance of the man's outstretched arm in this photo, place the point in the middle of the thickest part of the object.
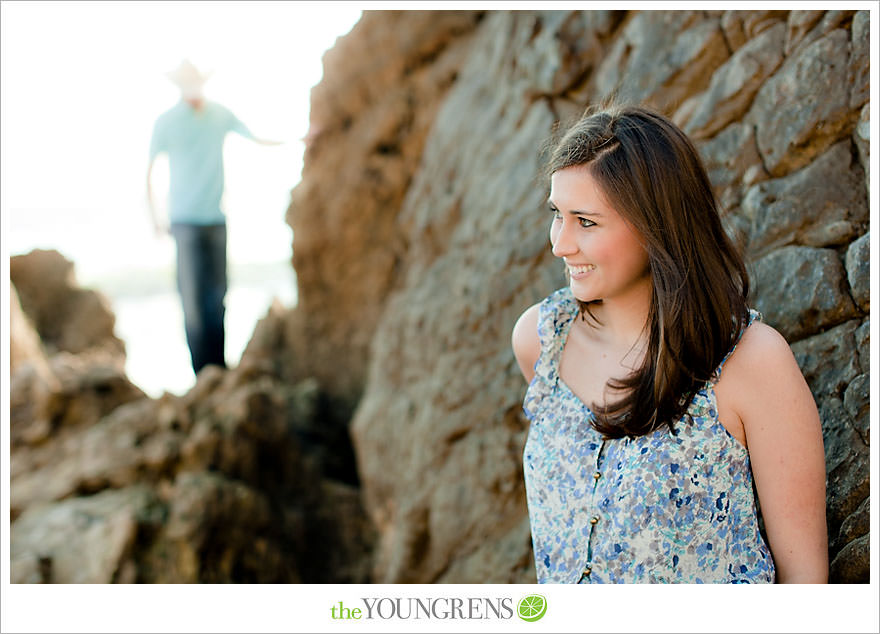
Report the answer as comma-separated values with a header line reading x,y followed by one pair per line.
x,y
267,142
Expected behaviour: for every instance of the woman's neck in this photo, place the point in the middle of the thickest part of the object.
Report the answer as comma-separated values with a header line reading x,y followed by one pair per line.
x,y
623,318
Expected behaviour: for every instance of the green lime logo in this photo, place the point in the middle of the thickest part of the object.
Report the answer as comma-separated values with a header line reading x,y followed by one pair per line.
x,y
532,607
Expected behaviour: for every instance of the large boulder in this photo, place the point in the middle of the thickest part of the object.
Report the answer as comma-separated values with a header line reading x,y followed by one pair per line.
x,y
66,363
67,317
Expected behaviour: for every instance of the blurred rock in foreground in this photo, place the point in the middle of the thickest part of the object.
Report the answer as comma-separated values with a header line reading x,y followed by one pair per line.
x,y
228,483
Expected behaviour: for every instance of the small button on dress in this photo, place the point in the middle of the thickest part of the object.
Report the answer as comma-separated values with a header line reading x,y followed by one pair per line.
x,y
671,506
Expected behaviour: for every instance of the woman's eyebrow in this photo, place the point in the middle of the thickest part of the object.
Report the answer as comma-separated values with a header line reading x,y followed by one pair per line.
x,y
577,211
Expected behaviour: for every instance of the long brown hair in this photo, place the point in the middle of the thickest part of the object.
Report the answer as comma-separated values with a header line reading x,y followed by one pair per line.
x,y
652,175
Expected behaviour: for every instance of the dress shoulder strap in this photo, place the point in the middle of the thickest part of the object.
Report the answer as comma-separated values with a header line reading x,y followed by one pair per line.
x,y
754,315
555,314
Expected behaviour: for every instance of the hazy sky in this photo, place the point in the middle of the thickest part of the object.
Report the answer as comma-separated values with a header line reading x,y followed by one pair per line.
x,y
82,84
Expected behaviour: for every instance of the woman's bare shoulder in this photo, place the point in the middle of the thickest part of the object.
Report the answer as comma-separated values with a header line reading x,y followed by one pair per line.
x,y
525,341
763,364
761,349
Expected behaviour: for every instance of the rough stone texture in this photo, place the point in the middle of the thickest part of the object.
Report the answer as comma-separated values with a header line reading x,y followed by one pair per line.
x,y
827,359
847,461
858,271
30,378
368,123
852,564
232,482
831,367
732,161
856,400
232,497
66,364
661,58
740,27
564,49
76,392
735,83
859,71
797,26
821,205
813,278
463,424
862,346
862,139
804,107
814,30
67,317
857,524
25,345
83,540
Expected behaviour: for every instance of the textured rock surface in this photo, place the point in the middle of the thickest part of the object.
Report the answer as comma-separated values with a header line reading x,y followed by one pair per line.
x,y
821,205
804,107
25,344
835,376
775,99
814,278
858,271
232,482
83,540
662,57
735,83
67,317
368,123
66,365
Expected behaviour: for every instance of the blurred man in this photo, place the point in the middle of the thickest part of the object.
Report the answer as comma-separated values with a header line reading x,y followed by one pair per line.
x,y
192,133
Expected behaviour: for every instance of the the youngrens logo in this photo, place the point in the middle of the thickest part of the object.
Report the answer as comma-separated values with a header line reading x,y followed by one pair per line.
x,y
530,608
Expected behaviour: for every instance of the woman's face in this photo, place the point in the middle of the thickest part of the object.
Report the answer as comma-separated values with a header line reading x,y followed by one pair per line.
x,y
602,253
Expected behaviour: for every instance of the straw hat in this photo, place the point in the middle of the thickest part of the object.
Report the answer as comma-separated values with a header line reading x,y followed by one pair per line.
x,y
188,78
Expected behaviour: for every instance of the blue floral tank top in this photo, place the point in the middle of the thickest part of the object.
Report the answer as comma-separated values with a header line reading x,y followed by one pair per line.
x,y
667,507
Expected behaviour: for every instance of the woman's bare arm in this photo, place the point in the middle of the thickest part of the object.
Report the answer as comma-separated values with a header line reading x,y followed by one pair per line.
x,y
525,341
784,439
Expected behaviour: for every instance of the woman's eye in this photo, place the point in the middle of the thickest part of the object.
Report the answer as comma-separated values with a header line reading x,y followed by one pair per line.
x,y
585,222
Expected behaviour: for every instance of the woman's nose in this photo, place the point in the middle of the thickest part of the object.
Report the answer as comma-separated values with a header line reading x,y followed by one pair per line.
x,y
563,244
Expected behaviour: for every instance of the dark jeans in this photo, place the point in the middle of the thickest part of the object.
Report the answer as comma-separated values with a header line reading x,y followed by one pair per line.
x,y
201,280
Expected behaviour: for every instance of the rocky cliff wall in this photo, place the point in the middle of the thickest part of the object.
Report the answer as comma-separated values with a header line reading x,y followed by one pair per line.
x,y
420,236
369,119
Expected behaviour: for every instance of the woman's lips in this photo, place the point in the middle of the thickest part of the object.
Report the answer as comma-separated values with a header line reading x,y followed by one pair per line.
x,y
580,271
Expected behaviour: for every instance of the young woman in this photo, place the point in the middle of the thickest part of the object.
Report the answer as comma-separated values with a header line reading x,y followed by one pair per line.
x,y
659,403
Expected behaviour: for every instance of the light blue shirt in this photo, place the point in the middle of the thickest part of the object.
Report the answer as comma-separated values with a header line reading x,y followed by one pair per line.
x,y
194,143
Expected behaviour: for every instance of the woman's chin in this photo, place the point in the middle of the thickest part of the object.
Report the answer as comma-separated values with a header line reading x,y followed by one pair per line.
x,y
580,292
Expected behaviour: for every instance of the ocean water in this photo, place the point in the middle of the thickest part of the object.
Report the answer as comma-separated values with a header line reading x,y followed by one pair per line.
x,y
149,319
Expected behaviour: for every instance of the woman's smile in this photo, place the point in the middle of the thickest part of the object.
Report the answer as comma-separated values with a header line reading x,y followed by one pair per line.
x,y
579,272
